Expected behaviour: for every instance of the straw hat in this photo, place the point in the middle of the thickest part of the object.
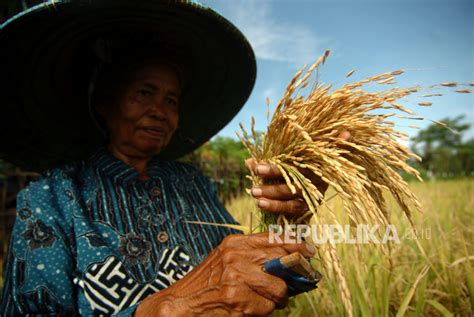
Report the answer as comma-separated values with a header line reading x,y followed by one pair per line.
x,y
50,52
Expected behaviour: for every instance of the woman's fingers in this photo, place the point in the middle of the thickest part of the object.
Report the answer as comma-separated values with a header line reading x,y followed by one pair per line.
x,y
264,284
240,297
274,247
294,207
230,298
268,242
275,191
345,135
268,286
255,256
263,170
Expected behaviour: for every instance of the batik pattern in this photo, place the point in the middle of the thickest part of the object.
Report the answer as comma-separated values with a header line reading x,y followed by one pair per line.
x,y
92,239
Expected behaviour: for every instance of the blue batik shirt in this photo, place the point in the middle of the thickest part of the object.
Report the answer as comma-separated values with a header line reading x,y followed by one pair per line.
x,y
90,238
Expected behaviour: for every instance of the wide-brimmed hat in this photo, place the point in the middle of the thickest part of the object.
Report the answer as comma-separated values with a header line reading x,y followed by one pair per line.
x,y
48,55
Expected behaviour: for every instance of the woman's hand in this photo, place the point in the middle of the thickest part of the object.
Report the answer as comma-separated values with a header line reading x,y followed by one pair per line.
x,y
277,197
230,282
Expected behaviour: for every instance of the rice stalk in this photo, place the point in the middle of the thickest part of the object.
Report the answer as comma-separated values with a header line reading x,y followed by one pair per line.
x,y
303,134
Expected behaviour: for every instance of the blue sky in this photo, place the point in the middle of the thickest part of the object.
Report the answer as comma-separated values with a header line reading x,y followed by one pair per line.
x,y
435,37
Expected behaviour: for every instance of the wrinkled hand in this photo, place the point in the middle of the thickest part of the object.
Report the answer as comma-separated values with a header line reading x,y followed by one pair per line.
x,y
277,197
230,282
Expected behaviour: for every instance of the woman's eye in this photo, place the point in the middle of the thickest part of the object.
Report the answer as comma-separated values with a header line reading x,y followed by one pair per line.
x,y
144,93
171,101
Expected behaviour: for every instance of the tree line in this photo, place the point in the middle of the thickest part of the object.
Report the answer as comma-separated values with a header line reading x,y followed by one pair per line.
x,y
444,153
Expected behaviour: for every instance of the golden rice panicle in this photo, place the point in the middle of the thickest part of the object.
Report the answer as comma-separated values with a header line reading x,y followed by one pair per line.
x,y
308,129
303,133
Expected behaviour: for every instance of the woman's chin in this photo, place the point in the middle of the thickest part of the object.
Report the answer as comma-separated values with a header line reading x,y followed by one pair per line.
x,y
151,147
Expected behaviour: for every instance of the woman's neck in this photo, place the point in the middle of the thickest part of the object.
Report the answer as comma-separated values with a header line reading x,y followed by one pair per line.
x,y
137,162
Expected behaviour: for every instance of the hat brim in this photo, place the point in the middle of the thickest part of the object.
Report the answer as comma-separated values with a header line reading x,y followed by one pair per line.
x,y
48,62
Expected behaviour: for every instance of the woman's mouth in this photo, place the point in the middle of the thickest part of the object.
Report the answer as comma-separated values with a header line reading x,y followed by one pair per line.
x,y
154,132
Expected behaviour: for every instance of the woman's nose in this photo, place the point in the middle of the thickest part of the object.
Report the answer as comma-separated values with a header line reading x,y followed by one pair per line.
x,y
157,108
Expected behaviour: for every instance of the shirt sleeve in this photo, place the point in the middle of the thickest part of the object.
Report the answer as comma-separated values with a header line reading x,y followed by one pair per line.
x,y
39,270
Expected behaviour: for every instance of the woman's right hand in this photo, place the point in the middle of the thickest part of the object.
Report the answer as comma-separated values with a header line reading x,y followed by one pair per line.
x,y
230,282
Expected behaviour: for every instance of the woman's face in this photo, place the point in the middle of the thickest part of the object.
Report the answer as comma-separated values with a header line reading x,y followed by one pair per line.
x,y
146,116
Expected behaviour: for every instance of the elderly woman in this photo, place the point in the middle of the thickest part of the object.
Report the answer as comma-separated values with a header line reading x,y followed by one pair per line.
x,y
108,231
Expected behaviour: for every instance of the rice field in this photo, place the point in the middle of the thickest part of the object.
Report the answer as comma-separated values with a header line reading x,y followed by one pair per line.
x,y
439,282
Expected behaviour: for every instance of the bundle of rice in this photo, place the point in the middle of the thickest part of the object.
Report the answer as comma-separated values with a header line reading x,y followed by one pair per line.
x,y
303,139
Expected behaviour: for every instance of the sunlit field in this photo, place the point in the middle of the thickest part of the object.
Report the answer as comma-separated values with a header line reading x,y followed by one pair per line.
x,y
439,283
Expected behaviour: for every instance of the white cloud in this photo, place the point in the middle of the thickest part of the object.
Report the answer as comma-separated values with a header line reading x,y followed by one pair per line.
x,y
272,39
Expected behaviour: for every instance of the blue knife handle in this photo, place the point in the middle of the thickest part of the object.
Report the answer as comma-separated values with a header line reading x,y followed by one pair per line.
x,y
296,282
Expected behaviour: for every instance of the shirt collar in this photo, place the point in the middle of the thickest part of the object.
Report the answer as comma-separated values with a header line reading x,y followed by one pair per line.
x,y
106,163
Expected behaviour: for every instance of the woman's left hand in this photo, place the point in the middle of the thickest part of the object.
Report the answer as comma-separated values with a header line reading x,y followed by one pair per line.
x,y
277,197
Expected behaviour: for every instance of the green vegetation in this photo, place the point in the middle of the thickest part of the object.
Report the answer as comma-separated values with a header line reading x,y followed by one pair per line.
x,y
222,159
444,153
